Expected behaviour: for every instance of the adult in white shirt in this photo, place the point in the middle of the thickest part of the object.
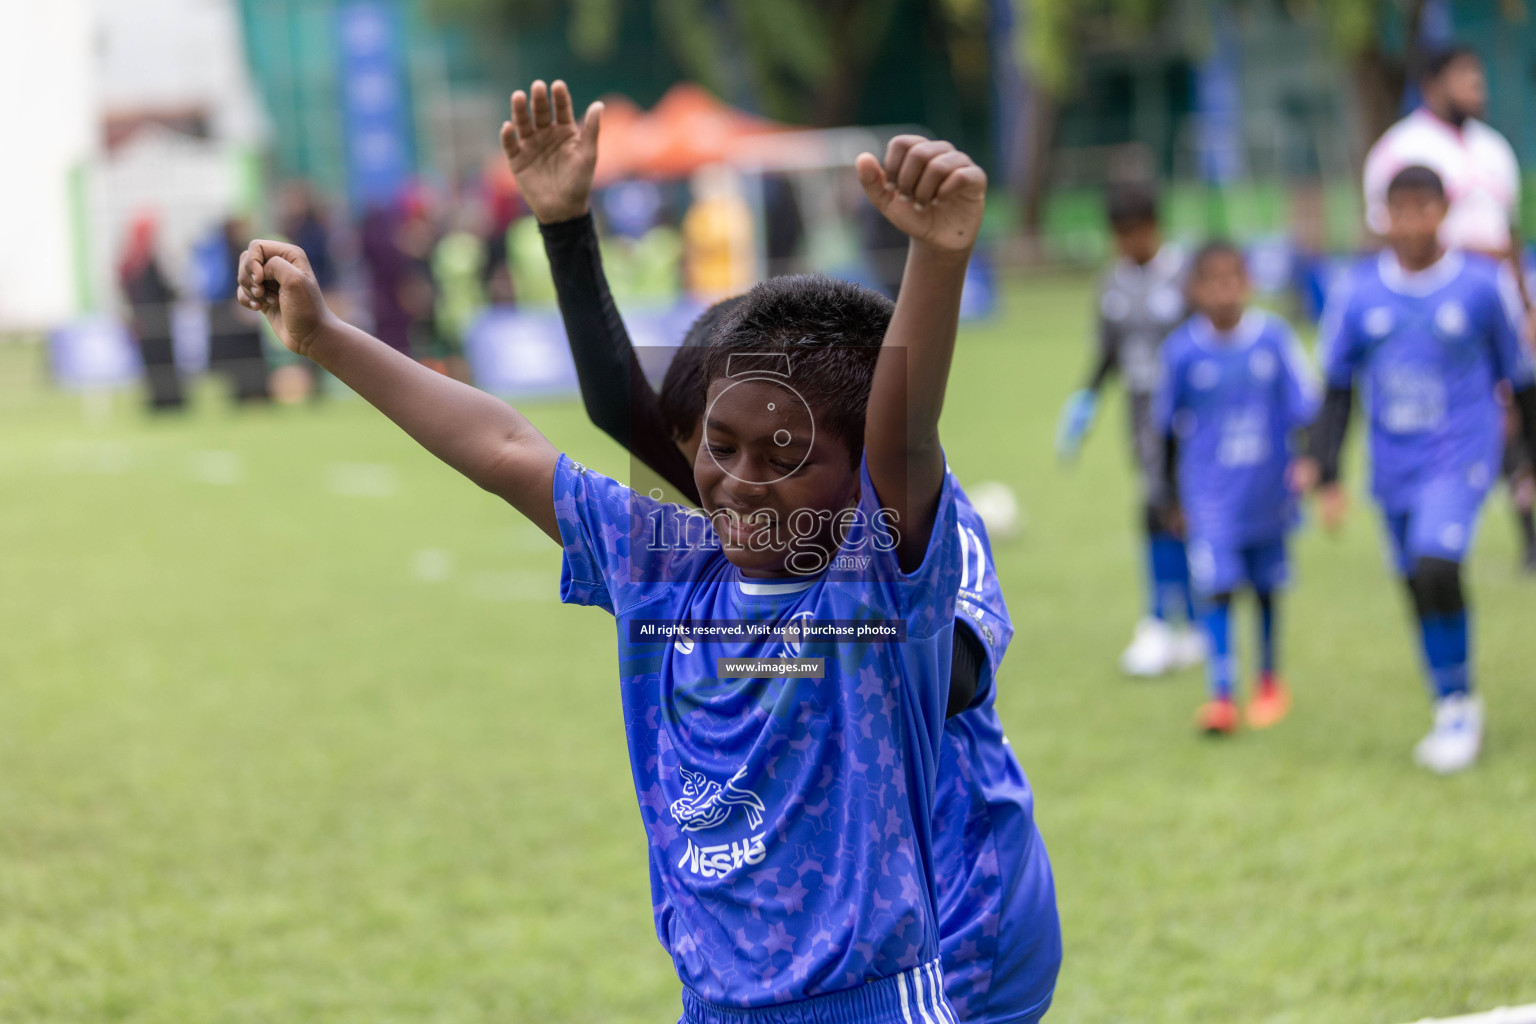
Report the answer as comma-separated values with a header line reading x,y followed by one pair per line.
x,y
1482,183
1475,163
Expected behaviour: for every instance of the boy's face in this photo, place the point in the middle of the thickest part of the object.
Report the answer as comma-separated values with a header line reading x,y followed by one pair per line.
x,y
1219,289
1137,241
1413,220
771,482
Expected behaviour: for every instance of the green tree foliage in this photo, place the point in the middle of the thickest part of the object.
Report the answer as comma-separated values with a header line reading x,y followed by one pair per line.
x,y
1049,34
803,60
800,60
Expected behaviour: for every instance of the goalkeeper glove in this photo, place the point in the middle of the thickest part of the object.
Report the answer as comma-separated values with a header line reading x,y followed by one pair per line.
x,y
1076,417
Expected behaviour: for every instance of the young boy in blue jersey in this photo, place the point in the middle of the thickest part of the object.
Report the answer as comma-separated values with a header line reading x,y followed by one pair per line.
x,y
785,774
1235,389
1430,334
1140,299
999,936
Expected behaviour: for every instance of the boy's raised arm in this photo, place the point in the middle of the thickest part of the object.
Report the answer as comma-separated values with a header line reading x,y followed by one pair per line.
x,y
552,156
936,195
475,433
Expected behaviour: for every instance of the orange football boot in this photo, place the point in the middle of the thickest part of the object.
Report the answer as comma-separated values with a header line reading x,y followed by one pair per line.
x,y
1217,718
1270,702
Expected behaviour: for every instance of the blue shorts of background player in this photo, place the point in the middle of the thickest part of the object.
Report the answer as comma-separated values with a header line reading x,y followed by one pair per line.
x,y
1440,522
1222,568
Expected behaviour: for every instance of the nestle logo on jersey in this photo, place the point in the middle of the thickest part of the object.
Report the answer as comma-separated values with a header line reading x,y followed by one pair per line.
x,y
721,859
706,804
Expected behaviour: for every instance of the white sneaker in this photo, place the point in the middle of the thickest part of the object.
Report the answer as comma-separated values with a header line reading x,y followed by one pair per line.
x,y
1453,744
1189,646
1153,650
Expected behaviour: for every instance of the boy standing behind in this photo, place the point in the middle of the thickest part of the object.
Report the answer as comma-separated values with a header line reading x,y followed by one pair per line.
x,y
1236,386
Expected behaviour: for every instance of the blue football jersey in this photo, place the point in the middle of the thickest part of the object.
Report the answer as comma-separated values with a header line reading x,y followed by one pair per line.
x,y
1427,348
999,931
789,821
1233,399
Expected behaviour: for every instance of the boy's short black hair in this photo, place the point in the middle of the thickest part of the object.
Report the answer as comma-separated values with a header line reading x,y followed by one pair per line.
x,y
1434,64
1130,205
681,398
831,332
1416,178
1216,248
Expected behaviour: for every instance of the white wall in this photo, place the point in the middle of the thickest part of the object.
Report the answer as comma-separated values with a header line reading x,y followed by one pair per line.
x,y
48,125
64,66
177,53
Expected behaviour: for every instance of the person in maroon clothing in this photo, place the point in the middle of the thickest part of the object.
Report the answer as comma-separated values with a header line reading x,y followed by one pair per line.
x,y
150,297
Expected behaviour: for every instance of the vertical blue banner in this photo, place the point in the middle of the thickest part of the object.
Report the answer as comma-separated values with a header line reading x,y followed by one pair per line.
x,y
1436,32
375,107
1219,106
1009,91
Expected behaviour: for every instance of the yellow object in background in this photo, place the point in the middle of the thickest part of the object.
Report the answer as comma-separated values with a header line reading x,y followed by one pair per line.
x,y
721,253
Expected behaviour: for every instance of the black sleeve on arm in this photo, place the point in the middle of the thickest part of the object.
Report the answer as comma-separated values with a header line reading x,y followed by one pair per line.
x,y
1107,363
964,670
1327,433
614,390
1525,401
1102,369
1170,468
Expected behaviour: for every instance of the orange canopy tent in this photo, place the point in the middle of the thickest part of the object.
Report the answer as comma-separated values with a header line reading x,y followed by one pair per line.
x,y
687,129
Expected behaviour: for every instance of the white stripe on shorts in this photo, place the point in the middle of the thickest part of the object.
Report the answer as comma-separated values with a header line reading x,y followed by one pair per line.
x,y
922,997
906,1001
940,1004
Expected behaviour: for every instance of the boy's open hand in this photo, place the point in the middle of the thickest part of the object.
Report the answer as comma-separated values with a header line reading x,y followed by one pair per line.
x,y
928,189
275,278
1331,506
550,155
1305,478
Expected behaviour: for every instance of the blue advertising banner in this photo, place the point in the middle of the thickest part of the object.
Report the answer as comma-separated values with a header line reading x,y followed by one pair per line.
x,y
1219,107
95,353
375,104
522,353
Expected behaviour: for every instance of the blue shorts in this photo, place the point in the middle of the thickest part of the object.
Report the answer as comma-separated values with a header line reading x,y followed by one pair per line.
x,y
915,995
1221,568
1440,522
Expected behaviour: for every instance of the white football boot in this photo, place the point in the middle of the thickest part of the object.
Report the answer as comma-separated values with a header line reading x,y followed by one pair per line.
x,y
1453,744
1189,646
1153,650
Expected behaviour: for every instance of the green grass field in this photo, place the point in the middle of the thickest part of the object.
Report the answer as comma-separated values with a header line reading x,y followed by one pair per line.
x,y
293,728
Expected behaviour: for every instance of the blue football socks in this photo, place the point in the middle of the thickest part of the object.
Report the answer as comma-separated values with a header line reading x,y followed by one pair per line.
x,y
1218,628
1445,649
1169,566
